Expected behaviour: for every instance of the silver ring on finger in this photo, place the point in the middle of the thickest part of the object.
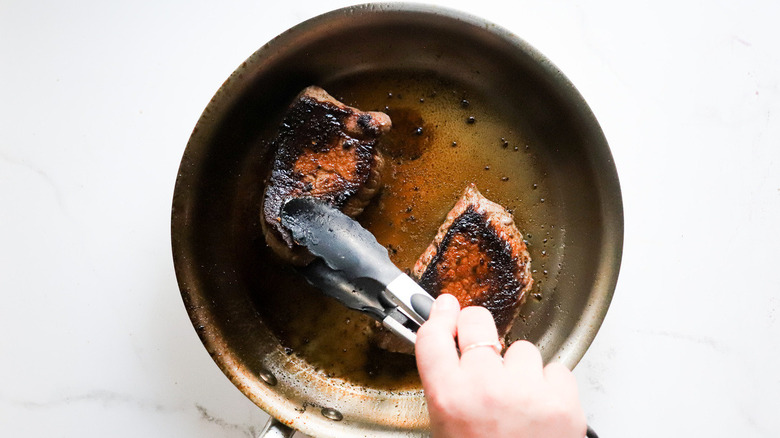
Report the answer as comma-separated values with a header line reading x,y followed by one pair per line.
x,y
496,346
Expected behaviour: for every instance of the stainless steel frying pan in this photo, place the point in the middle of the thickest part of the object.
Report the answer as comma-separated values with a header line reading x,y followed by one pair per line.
x,y
217,246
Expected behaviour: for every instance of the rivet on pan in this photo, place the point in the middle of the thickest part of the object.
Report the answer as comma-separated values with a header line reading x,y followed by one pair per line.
x,y
332,414
267,377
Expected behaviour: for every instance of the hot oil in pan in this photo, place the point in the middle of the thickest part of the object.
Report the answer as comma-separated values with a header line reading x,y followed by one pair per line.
x,y
444,137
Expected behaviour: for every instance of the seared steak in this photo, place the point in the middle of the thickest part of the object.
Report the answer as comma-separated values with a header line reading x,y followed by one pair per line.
x,y
478,256
326,150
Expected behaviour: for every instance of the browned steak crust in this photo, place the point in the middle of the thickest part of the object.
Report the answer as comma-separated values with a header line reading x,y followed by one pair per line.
x,y
479,256
326,150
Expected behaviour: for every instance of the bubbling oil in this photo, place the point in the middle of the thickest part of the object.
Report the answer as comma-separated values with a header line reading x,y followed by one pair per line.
x,y
444,137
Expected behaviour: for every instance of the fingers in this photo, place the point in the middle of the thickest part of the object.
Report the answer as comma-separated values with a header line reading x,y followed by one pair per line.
x,y
435,346
477,327
563,382
523,358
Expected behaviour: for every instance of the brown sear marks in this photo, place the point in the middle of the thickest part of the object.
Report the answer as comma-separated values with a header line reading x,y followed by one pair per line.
x,y
476,266
327,150
327,172
478,256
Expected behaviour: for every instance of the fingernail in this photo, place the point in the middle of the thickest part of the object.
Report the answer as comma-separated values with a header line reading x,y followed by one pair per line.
x,y
446,302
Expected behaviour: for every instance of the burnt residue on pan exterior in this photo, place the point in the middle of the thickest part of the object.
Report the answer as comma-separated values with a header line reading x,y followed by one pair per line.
x,y
432,153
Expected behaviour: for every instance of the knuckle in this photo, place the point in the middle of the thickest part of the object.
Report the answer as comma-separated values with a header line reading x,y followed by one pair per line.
x,y
559,373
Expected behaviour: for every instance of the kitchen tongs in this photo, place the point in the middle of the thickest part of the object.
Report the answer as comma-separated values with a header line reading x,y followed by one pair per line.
x,y
354,268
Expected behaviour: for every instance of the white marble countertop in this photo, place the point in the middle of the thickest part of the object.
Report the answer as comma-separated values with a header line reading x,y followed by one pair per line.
x,y
97,102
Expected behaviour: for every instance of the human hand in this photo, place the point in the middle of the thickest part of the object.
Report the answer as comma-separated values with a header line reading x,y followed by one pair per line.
x,y
478,394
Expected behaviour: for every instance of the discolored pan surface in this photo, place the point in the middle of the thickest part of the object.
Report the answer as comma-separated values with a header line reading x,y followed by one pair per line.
x,y
424,176
561,187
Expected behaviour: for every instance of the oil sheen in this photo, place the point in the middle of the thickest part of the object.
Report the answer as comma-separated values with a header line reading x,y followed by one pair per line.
x,y
444,137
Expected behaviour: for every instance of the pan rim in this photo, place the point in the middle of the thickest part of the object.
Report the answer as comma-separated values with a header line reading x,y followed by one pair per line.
x,y
231,90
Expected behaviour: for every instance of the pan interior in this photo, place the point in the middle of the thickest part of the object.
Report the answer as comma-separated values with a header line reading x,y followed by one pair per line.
x,y
446,135
533,146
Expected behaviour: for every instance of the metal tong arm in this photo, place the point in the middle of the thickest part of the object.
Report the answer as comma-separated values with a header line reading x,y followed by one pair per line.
x,y
344,245
364,295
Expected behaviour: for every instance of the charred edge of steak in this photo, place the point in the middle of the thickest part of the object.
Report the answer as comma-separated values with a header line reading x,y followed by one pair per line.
x,y
316,124
503,281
